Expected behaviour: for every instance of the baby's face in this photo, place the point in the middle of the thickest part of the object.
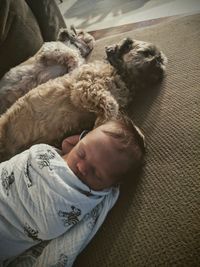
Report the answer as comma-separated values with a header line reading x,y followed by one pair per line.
x,y
96,159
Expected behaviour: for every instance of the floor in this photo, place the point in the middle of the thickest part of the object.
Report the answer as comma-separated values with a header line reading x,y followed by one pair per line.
x,y
101,14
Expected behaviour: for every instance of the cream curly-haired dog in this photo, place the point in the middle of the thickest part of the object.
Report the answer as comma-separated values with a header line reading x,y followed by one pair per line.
x,y
54,59
92,93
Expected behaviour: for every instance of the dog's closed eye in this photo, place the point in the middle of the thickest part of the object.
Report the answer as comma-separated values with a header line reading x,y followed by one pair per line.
x,y
146,53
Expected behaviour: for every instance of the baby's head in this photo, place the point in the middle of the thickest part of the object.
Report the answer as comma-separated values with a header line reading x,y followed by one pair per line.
x,y
107,154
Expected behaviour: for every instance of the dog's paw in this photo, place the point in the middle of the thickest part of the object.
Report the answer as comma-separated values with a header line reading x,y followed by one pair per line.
x,y
63,35
99,121
81,40
125,47
163,60
111,109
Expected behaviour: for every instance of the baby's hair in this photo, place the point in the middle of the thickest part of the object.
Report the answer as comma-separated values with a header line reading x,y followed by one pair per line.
x,y
131,139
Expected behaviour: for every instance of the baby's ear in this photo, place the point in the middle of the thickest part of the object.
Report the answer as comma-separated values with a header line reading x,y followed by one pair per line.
x,y
69,142
72,140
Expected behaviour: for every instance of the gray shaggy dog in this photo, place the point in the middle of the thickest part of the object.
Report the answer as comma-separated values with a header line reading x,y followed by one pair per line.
x,y
89,95
54,59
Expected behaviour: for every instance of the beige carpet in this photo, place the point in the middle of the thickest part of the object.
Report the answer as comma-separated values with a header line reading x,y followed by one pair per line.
x,y
156,221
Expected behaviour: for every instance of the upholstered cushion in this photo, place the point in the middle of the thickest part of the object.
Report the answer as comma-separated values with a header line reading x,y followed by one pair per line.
x,y
24,26
48,17
20,35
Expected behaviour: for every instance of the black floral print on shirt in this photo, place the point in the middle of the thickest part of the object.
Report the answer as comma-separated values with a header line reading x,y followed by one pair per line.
x,y
30,232
70,218
27,174
7,180
92,217
44,159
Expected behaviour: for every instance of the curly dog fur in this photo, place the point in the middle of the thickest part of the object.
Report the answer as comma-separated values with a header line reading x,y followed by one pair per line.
x,y
91,94
54,59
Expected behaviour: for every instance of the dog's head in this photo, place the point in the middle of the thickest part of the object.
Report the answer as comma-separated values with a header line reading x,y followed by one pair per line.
x,y
139,63
80,39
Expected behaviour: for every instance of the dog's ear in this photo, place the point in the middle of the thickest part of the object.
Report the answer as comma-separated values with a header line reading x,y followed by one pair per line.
x,y
162,59
155,70
157,67
125,47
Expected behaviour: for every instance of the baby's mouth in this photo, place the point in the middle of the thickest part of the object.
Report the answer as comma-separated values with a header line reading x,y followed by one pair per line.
x,y
80,172
81,178
77,172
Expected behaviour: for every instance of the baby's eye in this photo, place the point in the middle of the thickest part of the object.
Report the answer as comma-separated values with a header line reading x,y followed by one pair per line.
x,y
145,53
81,153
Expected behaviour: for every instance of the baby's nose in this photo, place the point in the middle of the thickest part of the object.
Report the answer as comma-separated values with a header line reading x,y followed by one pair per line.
x,y
82,168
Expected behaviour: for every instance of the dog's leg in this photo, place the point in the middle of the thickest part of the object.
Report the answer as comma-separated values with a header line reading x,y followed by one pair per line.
x,y
62,55
5,151
95,99
19,125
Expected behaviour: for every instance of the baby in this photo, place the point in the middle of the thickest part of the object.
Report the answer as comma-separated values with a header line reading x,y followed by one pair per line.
x,y
45,194
106,154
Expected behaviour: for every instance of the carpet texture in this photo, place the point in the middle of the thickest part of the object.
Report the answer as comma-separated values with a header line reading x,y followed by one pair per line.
x,y
156,221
